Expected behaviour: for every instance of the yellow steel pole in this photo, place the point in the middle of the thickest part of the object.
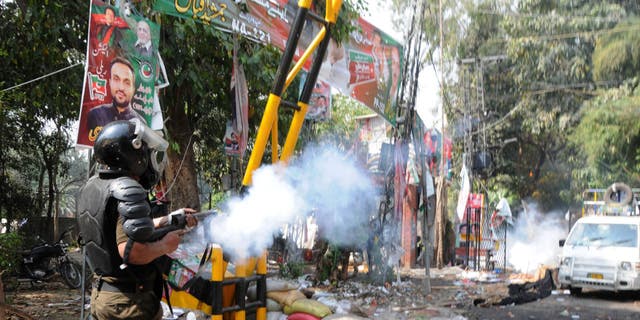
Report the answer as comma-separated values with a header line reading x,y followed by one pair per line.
x,y
333,8
268,119
261,269
217,271
307,53
294,132
304,4
274,140
241,272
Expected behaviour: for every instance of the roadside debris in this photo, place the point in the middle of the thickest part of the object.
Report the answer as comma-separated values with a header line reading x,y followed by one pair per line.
x,y
521,288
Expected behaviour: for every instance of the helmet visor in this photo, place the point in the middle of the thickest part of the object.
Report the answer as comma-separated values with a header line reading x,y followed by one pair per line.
x,y
158,160
156,144
151,138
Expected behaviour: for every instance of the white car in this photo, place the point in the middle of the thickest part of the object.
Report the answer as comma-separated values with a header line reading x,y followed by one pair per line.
x,y
601,252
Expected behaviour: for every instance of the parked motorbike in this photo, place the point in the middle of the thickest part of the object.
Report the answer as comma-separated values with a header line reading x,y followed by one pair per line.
x,y
44,260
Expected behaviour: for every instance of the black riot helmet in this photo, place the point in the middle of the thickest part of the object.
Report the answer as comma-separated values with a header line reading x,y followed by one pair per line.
x,y
131,148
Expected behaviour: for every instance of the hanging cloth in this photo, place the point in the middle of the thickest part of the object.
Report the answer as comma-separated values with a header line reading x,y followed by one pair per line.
x,y
236,135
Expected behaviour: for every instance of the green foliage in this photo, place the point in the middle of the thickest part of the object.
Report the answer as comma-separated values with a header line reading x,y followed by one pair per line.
x,y
608,136
617,53
291,269
218,198
553,65
340,130
36,117
10,248
330,263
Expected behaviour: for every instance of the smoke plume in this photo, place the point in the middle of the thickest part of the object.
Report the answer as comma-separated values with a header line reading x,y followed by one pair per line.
x,y
534,239
323,182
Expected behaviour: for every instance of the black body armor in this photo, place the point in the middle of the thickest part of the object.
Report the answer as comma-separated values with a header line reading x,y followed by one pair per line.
x,y
100,204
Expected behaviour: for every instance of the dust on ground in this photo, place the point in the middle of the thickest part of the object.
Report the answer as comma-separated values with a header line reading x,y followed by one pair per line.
x,y
51,300
394,300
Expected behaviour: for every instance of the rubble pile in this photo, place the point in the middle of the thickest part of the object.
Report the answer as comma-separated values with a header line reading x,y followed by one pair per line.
x,y
513,289
358,299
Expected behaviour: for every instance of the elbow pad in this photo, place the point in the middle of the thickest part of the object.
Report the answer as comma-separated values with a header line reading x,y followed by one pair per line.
x,y
134,208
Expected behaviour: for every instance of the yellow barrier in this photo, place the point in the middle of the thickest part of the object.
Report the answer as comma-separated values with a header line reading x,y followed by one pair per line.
x,y
228,289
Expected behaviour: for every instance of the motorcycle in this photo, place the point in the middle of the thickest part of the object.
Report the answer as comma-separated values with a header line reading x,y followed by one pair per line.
x,y
44,260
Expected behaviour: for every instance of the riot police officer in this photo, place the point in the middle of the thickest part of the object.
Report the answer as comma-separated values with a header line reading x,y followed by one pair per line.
x,y
116,226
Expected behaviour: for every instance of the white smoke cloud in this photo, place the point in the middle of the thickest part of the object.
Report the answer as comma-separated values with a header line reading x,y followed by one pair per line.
x,y
534,239
322,181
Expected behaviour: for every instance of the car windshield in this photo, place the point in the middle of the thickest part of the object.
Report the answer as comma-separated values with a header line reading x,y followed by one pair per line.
x,y
604,235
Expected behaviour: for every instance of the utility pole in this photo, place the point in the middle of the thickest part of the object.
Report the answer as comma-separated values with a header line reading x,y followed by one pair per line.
x,y
475,149
442,90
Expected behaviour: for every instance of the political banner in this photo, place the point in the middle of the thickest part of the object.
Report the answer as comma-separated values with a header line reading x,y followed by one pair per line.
x,y
436,152
319,106
120,69
367,66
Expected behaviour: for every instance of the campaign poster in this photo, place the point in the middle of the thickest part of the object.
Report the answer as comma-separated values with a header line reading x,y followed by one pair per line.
x,y
120,74
367,66
435,152
319,105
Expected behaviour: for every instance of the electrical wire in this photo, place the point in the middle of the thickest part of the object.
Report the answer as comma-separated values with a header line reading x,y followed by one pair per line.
x,y
41,77
568,35
550,16
175,176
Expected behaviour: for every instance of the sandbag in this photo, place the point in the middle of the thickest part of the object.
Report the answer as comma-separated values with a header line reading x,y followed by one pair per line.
x,y
341,307
302,316
272,285
309,306
285,298
273,305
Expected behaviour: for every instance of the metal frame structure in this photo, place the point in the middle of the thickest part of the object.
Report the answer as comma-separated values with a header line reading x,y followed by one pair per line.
x,y
268,125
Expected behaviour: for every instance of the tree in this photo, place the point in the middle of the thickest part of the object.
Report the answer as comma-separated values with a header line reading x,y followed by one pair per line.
x,y
608,138
40,39
533,93
605,141
617,54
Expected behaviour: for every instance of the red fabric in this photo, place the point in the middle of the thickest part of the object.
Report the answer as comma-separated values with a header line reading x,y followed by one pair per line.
x,y
302,316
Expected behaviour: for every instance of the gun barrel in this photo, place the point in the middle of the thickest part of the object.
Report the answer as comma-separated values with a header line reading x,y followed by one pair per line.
x,y
204,214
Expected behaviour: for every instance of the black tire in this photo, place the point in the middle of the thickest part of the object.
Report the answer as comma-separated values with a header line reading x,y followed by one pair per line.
x,y
575,291
618,188
71,275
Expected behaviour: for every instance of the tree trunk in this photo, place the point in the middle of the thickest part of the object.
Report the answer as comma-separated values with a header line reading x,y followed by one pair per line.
x,y
181,174
408,230
39,195
51,212
56,214
440,222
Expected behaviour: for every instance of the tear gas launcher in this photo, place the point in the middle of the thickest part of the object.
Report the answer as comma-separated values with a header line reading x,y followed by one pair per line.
x,y
178,221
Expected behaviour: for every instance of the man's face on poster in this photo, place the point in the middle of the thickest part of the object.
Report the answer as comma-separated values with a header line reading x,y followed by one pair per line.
x,y
122,84
109,16
321,101
377,40
143,32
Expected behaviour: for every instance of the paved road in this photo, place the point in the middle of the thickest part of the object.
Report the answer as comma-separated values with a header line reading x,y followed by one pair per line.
x,y
590,305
